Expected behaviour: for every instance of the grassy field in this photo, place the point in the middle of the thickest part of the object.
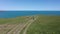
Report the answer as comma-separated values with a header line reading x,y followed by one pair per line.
x,y
42,25
45,25
13,20
6,24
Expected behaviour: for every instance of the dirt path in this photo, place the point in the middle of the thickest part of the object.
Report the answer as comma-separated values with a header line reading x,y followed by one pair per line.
x,y
25,31
18,32
10,32
17,29
4,28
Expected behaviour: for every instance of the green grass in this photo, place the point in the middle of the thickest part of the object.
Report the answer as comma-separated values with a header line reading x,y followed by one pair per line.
x,y
45,25
13,20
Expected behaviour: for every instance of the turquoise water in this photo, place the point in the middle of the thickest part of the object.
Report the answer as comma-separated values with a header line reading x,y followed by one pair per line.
x,y
9,14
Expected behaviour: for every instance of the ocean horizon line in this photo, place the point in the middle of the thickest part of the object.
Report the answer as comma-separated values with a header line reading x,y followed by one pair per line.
x,y
8,14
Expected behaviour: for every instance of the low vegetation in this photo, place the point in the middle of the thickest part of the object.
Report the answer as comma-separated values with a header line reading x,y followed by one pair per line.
x,y
45,25
13,20
6,24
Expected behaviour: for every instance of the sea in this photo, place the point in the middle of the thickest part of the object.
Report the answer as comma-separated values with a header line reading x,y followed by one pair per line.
x,y
11,14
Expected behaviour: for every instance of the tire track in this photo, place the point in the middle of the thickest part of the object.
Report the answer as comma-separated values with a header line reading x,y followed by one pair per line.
x,y
18,32
10,32
17,29
10,27
25,31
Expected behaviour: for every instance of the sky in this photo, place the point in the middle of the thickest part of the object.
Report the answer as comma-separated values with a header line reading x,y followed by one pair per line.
x,y
30,5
